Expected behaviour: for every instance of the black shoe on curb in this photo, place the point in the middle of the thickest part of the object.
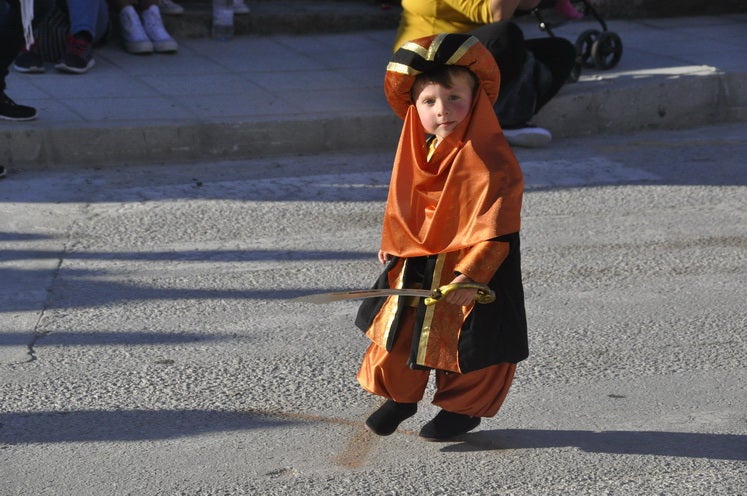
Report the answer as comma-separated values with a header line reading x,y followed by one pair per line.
x,y
3,172
11,111
446,425
78,57
387,418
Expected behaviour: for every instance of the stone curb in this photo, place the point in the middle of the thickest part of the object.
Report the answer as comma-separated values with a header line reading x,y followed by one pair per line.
x,y
609,106
286,17
662,102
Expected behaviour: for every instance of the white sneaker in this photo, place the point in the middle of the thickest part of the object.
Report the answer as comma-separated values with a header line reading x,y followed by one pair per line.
x,y
153,24
528,137
133,36
169,7
239,7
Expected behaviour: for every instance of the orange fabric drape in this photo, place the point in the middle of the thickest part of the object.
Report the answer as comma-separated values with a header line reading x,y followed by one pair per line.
x,y
470,190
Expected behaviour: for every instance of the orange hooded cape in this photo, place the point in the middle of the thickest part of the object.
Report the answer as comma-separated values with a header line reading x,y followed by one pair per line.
x,y
471,188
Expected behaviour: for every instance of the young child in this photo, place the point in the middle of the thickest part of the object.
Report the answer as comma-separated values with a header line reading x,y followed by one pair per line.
x,y
452,216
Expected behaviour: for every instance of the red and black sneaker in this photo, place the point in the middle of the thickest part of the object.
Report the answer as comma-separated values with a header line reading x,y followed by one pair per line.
x,y
29,60
78,58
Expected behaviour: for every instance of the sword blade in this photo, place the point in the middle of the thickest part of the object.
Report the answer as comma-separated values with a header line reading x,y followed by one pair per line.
x,y
360,294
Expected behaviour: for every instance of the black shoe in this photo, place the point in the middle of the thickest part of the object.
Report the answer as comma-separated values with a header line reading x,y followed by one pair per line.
x,y
3,172
387,418
11,111
446,425
78,57
29,61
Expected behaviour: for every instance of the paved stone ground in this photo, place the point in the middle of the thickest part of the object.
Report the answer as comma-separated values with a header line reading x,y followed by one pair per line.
x,y
148,347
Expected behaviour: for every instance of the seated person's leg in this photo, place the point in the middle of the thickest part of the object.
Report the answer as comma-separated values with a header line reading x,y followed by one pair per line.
x,y
11,41
505,41
517,101
11,36
559,56
89,18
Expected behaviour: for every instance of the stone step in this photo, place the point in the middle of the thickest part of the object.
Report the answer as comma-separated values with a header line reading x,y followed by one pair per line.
x,y
287,17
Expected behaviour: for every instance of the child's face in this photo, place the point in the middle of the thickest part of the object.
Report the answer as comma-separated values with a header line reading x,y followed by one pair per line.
x,y
441,109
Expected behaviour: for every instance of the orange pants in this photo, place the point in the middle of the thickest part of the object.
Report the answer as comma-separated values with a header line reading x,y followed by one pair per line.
x,y
479,393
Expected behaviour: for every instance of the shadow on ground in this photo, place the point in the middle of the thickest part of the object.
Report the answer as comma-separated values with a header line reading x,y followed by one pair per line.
x,y
684,444
125,425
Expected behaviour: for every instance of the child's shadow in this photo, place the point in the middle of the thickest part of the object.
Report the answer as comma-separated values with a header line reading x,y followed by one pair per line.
x,y
686,444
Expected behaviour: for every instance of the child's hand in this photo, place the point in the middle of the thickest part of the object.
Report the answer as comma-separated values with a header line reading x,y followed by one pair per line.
x,y
384,257
461,297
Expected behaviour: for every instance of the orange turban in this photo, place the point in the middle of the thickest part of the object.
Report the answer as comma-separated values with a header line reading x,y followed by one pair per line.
x,y
425,54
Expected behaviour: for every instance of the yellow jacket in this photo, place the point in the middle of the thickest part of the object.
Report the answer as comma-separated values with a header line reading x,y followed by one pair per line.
x,y
428,17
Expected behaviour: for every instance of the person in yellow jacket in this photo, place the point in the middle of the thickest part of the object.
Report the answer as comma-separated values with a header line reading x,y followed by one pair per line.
x,y
532,71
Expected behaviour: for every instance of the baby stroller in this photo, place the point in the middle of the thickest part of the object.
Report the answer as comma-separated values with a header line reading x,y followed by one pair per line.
x,y
594,48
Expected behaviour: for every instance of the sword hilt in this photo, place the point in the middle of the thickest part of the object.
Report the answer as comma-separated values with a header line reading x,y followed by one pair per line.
x,y
484,293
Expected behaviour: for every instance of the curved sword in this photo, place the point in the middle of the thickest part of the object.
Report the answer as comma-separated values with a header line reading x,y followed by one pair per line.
x,y
484,294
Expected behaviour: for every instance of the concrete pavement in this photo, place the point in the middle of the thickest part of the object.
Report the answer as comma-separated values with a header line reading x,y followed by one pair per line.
x,y
148,347
283,94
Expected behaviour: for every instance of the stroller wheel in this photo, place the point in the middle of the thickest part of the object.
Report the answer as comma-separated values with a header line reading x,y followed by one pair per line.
x,y
584,43
607,50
